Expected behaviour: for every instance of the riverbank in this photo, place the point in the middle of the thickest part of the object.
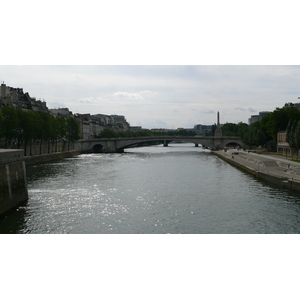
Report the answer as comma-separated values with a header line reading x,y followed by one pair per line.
x,y
269,167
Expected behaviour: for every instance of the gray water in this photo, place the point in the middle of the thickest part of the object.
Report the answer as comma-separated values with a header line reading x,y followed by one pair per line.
x,y
175,189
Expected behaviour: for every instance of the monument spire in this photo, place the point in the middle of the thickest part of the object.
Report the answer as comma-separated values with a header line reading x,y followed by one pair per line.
x,y
218,131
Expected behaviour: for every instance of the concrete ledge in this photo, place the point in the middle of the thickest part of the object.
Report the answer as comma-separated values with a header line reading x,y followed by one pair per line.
x,y
10,155
38,159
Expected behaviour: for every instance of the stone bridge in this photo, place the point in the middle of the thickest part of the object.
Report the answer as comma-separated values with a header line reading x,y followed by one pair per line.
x,y
117,145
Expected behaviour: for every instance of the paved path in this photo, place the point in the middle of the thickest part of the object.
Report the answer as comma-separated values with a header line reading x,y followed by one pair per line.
x,y
267,163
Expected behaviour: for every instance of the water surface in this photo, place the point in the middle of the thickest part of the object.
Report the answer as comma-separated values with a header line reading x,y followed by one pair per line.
x,y
175,189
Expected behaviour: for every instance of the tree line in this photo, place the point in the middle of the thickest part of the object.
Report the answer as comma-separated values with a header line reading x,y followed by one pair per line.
x,y
25,126
259,133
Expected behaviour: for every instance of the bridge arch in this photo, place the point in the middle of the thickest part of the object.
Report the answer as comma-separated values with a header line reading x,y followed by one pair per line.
x,y
233,144
97,148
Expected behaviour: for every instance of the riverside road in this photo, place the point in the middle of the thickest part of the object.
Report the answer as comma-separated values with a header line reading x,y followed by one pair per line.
x,y
265,163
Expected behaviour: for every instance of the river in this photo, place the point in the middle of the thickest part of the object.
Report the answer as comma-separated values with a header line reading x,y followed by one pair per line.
x,y
154,190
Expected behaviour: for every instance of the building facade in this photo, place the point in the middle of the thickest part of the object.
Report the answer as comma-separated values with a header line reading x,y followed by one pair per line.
x,y
202,129
16,98
257,118
283,147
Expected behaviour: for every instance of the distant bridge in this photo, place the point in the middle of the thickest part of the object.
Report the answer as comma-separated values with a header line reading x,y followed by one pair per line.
x,y
117,145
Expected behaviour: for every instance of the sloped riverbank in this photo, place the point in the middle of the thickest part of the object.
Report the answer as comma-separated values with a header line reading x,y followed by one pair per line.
x,y
271,168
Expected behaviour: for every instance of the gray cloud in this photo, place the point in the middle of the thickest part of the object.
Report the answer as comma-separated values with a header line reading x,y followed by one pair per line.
x,y
250,109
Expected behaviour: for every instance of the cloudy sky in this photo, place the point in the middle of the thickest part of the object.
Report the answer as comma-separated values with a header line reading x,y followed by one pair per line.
x,y
161,64
168,96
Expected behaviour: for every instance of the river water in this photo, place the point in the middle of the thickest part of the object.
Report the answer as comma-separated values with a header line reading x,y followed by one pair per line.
x,y
175,189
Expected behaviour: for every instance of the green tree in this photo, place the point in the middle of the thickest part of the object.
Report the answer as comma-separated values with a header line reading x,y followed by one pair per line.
x,y
108,133
230,129
72,130
25,128
279,119
293,136
60,129
39,134
242,129
297,138
9,124
48,129
1,120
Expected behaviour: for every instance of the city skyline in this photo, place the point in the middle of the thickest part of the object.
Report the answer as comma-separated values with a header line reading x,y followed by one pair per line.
x,y
160,96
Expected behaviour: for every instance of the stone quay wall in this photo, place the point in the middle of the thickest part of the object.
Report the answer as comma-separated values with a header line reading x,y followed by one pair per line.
x,y
38,159
13,181
43,148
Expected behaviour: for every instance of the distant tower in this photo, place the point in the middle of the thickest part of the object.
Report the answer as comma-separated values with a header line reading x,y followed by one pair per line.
x,y
218,131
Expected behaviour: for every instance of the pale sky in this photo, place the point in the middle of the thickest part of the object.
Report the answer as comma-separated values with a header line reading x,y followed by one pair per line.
x,y
169,96
161,64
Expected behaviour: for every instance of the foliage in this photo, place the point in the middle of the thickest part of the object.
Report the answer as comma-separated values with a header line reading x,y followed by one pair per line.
x,y
108,133
293,135
267,128
230,129
23,126
72,130
9,124
278,120
297,137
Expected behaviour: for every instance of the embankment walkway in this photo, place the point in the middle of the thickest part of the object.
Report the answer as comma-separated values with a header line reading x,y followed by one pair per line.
x,y
270,167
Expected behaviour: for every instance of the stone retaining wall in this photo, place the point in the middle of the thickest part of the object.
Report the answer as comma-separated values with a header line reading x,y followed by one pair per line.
x,y
13,182
37,159
44,148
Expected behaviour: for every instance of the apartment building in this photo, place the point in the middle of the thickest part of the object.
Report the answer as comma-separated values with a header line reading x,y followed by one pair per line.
x,y
16,97
61,112
202,129
257,118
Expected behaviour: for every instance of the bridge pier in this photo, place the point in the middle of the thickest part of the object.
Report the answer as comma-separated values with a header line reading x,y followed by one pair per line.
x,y
196,145
165,143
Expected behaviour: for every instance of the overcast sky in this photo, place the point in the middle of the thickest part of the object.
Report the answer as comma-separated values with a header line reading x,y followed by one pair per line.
x,y
161,64
160,96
